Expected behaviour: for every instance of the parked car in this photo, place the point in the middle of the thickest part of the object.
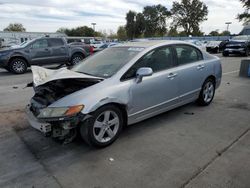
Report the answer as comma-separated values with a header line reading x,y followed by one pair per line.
x,y
238,45
104,46
97,44
213,46
42,51
198,43
119,86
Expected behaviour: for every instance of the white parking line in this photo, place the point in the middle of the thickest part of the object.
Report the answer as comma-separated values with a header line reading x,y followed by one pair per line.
x,y
230,72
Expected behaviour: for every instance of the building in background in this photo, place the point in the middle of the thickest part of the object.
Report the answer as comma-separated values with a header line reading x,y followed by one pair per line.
x,y
14,38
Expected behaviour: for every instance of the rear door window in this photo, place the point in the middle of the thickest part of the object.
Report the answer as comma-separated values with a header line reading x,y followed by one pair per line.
x,y
187,54
56,42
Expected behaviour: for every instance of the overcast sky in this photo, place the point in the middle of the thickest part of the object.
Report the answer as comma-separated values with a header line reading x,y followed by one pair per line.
x,y
49,15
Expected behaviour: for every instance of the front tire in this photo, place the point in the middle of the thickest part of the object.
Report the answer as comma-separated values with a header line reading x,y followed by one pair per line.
x,y
76,58
18,66
104,127
207,92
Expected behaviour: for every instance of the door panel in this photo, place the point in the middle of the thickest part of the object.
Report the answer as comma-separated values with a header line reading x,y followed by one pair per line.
x,y
40,52
59,50
191,71
156,92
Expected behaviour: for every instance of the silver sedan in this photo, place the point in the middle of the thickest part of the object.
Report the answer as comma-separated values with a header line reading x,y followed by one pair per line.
x,y
119,86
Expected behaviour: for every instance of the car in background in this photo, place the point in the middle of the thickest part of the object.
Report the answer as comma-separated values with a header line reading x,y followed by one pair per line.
x,y
237,45
42,51
197,43
104,46
96,43
213,46
119,86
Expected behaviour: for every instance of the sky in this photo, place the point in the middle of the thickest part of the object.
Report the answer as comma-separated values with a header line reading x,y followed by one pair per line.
x,y
49,15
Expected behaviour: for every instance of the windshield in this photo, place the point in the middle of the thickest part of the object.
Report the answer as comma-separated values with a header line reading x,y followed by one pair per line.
x,y
107,62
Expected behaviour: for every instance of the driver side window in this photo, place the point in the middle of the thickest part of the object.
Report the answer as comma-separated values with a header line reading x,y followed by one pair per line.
x,y
158,59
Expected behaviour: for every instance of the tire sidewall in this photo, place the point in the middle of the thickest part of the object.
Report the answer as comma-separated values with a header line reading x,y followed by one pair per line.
x,y
13,61
74,56
87,128
201,98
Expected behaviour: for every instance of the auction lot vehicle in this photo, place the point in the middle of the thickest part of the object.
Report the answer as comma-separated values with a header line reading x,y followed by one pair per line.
x,y
42,51
119,86
238,45
213,46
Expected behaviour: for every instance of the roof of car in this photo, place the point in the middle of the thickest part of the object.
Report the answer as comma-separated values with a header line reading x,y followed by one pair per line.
x,y
150,43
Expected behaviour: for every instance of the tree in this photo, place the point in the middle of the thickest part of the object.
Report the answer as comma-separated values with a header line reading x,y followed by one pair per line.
x,y
173,32
214,33
225,33
139,25
130,25
121,33
188,14
18,27
155,20
79,31
245,16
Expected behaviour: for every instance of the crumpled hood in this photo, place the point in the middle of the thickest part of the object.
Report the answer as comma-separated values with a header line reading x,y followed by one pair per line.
x,y
42,75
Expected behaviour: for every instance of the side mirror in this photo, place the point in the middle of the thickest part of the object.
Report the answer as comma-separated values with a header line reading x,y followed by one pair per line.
x,y
142,72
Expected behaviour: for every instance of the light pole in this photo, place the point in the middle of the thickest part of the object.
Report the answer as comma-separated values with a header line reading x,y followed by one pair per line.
x,y
94,24
228,23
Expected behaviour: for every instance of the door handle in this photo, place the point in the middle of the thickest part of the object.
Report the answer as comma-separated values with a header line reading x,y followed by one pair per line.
x,y
200,67
46,49
172,75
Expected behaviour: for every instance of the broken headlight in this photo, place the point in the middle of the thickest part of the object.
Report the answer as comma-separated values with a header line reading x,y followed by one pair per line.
x,y
52,112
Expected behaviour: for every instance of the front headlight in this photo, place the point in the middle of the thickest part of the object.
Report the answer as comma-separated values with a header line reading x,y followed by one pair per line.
x,y
52,112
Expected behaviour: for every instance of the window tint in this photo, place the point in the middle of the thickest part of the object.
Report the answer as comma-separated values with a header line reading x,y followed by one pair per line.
x,y
56,42
40,44
158,59
187,54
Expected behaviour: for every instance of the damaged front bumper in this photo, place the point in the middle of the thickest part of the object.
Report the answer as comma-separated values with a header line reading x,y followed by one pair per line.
x,y
55,127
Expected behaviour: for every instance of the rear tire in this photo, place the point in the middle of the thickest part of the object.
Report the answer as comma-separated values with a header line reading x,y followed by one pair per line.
x,y
207,92
18,66
104,127
76,58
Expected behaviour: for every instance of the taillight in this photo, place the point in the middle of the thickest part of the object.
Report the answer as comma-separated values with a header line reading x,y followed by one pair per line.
x,y
91,50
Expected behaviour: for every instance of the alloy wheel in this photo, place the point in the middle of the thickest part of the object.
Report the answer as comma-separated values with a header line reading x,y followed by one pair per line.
x,y
208,92
106,126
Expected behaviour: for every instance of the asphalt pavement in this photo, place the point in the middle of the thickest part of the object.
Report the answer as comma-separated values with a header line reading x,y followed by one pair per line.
x,y
190,146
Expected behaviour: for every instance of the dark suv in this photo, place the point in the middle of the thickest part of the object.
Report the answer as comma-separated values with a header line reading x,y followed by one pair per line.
x,y
238,45
42,51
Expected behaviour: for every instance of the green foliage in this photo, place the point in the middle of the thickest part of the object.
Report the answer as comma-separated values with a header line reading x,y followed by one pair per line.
x,y
245,16
121,33
225,33
151,22
214,33
188,14
79,31
155,20
130,25
18,27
